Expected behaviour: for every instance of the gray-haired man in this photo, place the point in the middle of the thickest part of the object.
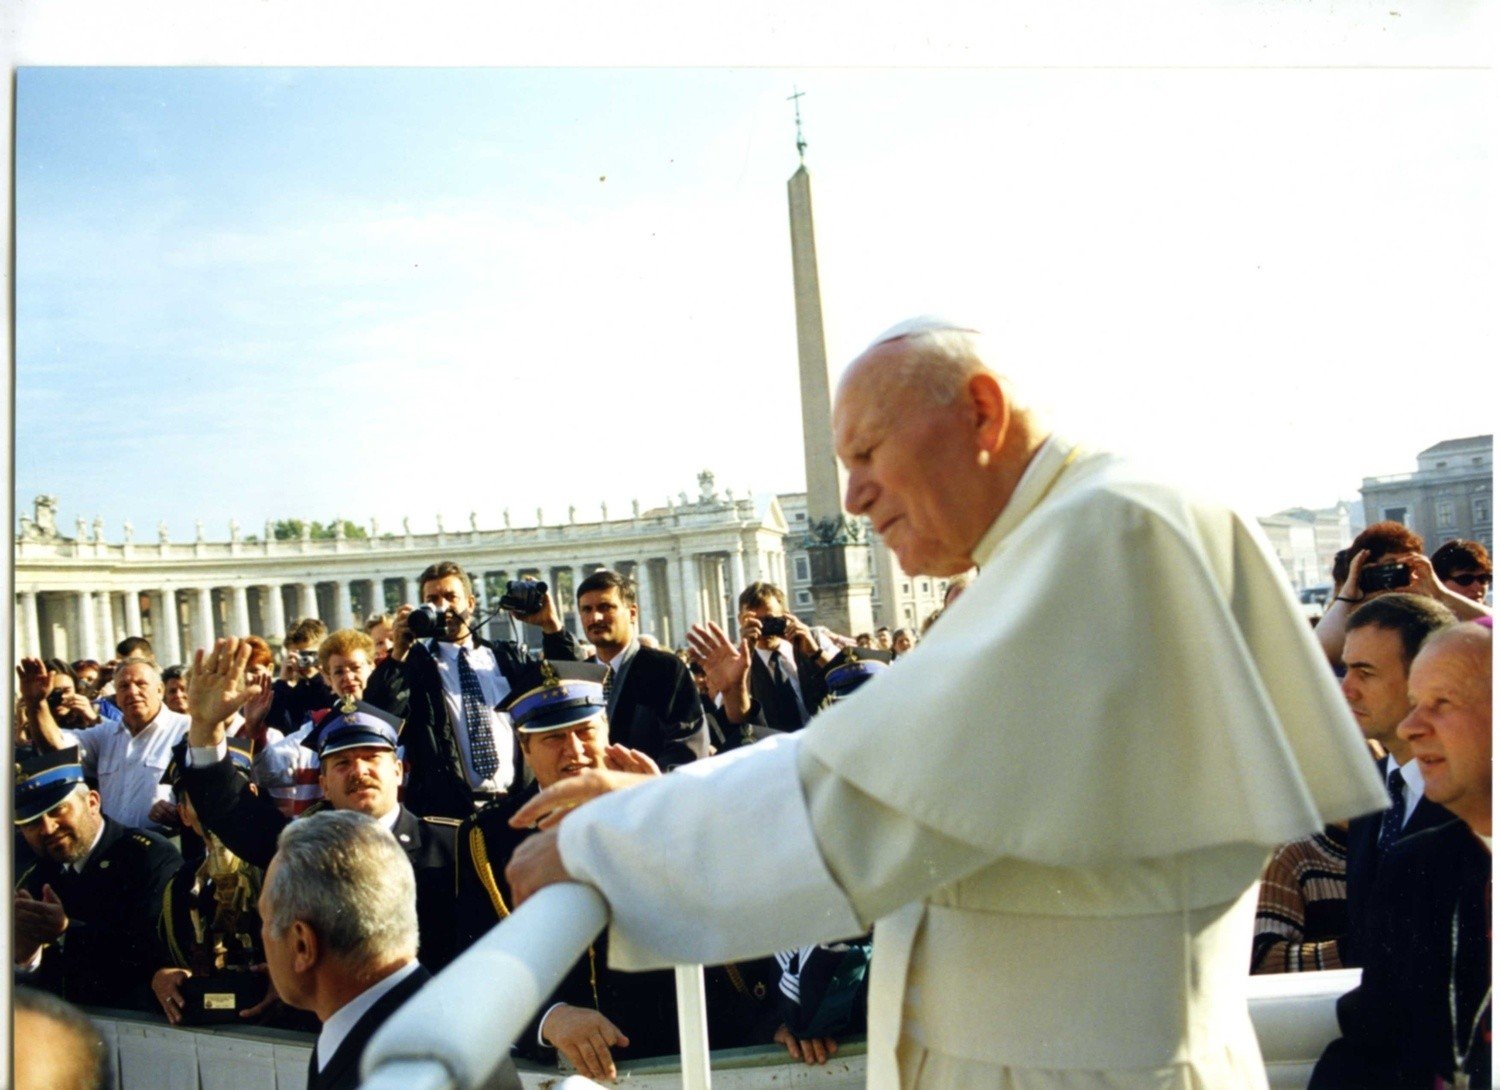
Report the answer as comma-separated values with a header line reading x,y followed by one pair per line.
x,y
339,924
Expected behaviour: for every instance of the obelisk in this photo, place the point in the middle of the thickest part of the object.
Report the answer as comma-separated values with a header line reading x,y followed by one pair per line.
x,y
836,547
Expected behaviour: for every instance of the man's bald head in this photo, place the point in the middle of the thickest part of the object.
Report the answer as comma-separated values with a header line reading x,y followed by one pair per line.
x,y
930,356
57,1047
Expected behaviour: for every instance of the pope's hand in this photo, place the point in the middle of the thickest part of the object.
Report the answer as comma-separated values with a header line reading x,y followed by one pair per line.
x,y
537,862
550,806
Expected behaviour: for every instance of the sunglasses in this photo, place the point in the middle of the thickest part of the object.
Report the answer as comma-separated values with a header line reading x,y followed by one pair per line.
x,y
1468,579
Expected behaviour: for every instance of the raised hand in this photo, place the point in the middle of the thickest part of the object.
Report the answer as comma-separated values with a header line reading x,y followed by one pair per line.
x,y
217,688
725,663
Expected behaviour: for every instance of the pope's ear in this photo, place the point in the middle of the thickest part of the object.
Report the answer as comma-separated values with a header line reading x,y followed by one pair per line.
x,y
991,410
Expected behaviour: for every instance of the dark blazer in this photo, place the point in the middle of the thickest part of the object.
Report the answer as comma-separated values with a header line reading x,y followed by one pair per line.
x,y
1364,866
1396,1027
342,1070
762,693
436,782
109,952
657,710
292,704
249,824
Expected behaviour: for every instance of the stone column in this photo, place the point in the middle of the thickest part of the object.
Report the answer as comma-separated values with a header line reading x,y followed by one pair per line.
x,y
643,599
30,634
106,630
133,625
692,598
275,611
167,637
307,600
203,617
239,610
88,643
737,562
342,616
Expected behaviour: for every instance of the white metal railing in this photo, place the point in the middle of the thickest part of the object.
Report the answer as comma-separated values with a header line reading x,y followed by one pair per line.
x,y
456,1033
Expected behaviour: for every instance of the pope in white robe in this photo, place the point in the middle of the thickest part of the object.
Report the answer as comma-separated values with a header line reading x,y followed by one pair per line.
x,y
1054,810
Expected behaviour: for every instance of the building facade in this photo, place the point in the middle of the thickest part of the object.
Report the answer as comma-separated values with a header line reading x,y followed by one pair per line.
x,y
1450,495
76,597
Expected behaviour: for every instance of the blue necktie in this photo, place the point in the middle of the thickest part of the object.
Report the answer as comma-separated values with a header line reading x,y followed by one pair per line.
x,y
1392,820
477,718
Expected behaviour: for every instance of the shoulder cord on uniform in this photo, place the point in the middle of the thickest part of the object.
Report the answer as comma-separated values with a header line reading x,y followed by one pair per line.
x,y
169,931
481,854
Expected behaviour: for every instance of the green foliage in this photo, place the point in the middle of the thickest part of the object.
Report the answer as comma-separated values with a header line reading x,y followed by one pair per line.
x,y
291,530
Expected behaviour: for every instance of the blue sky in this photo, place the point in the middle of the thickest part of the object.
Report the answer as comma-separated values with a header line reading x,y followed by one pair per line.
x,y
259,293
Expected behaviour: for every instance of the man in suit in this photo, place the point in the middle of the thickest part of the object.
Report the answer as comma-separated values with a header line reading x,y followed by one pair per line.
x,y
786,686
339,926
1421,1017
1380,642
357,770
459,747
95,880
651,699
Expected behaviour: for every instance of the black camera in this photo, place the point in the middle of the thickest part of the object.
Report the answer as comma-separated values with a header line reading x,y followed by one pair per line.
x,y
1384,577
307,658
772,626
56,697
523,596
427,620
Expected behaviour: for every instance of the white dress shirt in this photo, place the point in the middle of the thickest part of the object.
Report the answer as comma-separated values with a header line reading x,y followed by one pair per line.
x,y
129,767
495,688
1411,772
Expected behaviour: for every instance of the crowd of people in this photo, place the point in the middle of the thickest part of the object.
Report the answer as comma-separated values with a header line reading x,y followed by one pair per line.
x,y
231,833
152,801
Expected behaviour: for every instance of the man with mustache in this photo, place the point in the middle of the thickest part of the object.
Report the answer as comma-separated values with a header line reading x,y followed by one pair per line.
x,y
358,770
652,701
85,911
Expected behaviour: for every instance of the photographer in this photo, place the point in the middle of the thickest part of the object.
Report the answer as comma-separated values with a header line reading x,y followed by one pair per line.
x,y
447,684
1384,557
300,690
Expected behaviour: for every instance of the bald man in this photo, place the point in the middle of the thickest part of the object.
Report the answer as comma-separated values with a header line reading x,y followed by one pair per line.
x,y
1055,808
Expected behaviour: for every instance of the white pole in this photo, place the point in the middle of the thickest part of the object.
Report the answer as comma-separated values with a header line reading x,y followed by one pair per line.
x,y
692,1027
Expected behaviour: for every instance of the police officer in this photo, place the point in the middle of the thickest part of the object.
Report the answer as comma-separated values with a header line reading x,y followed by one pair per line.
x,y
85,911
359,769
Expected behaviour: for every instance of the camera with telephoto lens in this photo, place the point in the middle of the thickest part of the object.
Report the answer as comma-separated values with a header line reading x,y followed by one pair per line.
x,y
523,596
1384,577
772,626
427,620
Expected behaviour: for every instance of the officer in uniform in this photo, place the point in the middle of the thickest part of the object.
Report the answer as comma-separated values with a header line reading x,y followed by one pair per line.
x,y
359,769
560,719
85,912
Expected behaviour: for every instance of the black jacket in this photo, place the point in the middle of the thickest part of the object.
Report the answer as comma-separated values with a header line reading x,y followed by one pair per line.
x,y
436,783
109,951
249,824
342,1070
657,710
1364,867
1396,1028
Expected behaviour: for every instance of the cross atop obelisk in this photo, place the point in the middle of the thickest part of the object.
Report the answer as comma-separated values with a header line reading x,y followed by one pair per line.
x,y
835,548
797,107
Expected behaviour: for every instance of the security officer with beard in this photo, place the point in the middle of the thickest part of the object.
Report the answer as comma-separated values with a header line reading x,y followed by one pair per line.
x,y
85,912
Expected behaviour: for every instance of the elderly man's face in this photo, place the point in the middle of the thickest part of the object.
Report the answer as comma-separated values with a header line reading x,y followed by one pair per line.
x,y
904,457
138,694
1449,728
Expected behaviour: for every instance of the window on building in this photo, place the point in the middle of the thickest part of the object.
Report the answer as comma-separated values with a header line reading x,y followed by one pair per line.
x,y
804,598
905,588
925,585
1395,514
799,564
1442,465
1481,508
801,516
1447,512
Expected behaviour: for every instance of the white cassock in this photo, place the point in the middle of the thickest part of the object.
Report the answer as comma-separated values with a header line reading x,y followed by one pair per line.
x,y
1056,808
